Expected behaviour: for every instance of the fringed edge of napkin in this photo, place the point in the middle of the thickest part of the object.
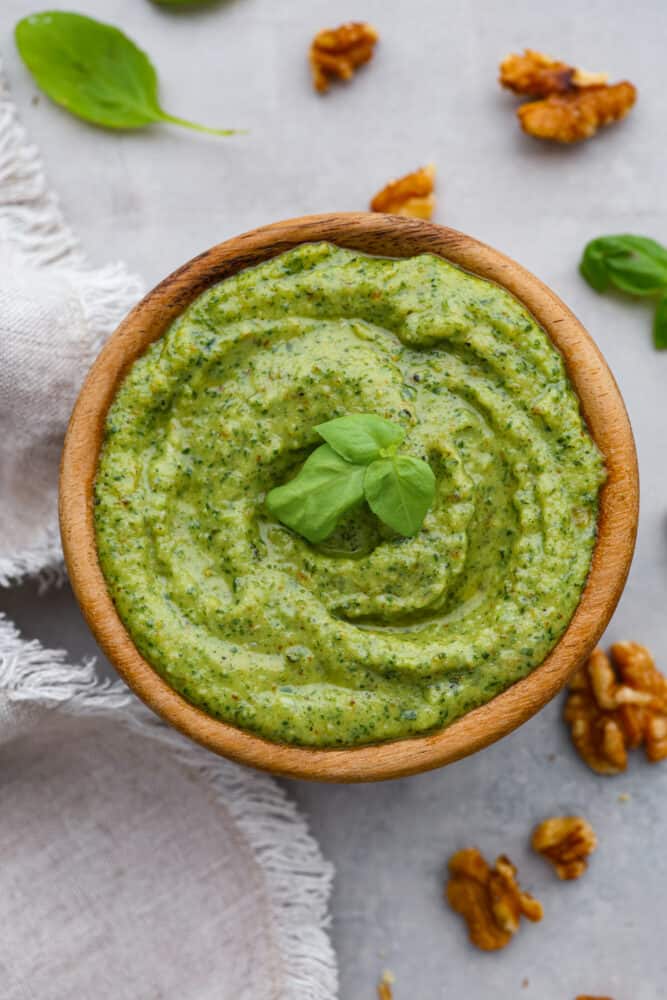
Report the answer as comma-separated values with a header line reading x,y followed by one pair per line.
x,y
31,221
298,878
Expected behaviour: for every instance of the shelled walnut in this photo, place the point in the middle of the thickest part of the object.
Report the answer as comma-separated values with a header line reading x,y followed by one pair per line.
x,y
385,990
616,704
535,74
565,841
489,899
338,52
577,115
411,195
573,103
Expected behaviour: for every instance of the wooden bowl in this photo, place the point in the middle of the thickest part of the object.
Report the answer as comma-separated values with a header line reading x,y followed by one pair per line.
x,y
391,236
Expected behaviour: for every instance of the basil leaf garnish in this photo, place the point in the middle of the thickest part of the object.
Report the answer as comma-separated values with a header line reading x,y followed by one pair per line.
x,y
593,267
636,265
637,275
359,460
399,491
641,245
326,488
94,71
361,437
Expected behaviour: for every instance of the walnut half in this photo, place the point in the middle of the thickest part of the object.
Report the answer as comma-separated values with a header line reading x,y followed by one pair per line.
x,y
489,899
579,114
565,841
338,52
538,75
617,703
411,195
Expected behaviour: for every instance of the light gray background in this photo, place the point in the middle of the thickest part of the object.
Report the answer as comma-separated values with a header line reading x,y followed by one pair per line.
x,y
158,197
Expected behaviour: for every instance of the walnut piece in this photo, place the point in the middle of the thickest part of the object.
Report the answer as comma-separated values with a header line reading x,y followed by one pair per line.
x,y
565,841
337,52
538,75
574,104
489,899
411,195
385,991
577,115
616,704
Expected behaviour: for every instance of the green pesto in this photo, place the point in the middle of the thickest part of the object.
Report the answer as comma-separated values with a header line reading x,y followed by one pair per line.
x,y
367,636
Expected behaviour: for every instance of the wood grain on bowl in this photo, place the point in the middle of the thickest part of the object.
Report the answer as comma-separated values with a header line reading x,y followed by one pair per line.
x,y
603,410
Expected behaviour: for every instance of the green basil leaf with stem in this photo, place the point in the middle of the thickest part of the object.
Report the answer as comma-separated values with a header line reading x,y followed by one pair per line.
x,y
636,265
361,437
400,490
660,324
94,71
313,502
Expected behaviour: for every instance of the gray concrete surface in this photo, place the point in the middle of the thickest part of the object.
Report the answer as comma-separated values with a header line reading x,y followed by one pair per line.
x,y
158,197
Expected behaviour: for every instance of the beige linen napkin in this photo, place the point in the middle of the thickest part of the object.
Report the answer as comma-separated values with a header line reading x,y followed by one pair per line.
x,y
55,311
135,865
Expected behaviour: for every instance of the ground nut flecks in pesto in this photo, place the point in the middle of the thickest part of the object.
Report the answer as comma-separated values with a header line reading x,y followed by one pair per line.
x,y
368,635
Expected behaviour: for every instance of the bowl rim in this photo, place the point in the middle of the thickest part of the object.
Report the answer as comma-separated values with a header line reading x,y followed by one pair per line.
x,y
603,410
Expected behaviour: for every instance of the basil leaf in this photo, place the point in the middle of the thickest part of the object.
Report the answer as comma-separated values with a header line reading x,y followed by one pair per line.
x,y
626,243
358,460
312,503
660,324
593,268
360,437
94,71
399,491
637,275
634,264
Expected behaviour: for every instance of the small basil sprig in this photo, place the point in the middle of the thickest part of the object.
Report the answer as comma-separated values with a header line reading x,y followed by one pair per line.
x,y
94,70
358,461
326,488
360,437
635,265
400,490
